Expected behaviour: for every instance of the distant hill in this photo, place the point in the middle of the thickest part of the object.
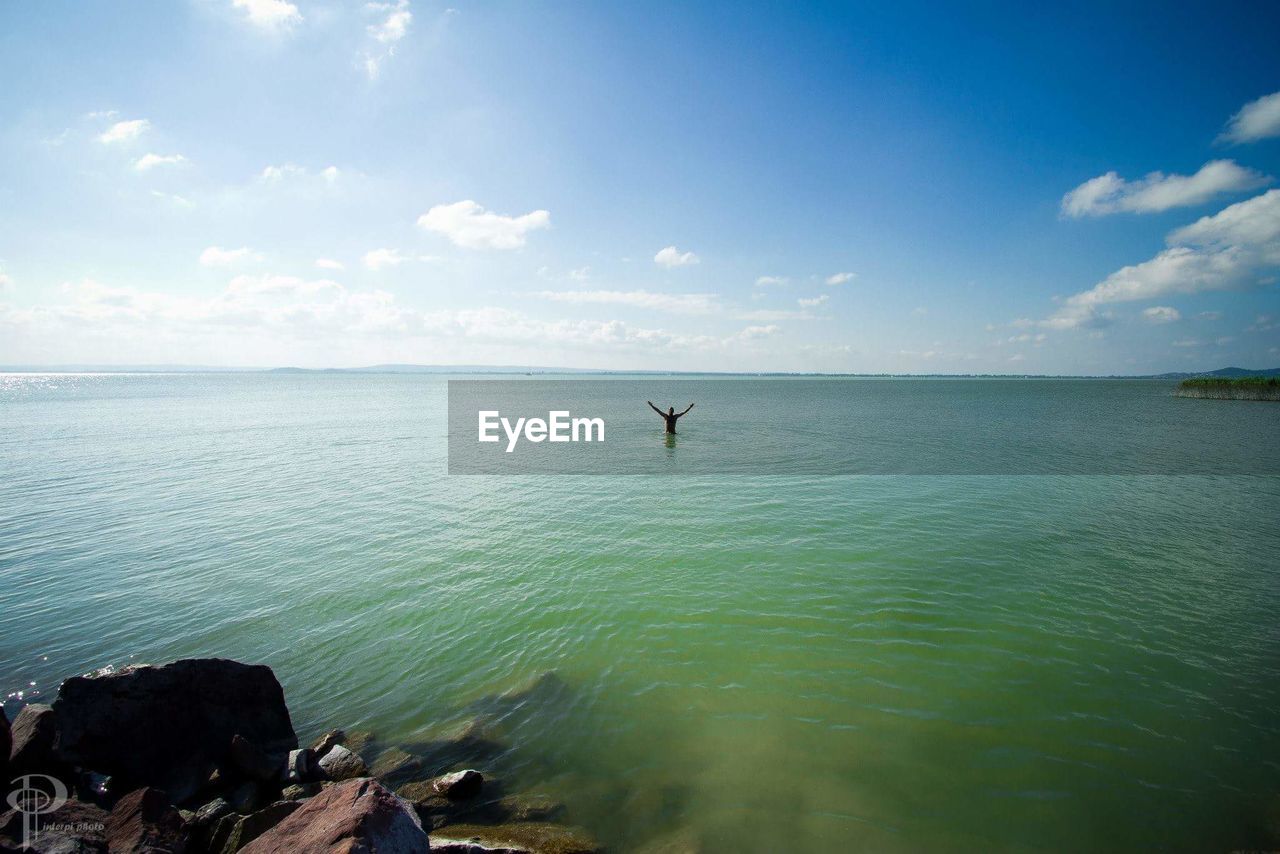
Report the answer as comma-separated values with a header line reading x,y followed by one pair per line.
x,y
1225,373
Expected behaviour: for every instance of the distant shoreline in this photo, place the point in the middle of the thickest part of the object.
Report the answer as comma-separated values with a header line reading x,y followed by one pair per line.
x,y
1229,373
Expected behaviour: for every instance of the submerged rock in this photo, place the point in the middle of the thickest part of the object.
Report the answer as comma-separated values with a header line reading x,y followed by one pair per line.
x,y
341,764
355,816
34,732
515,838
144,820
394,766
168,726
459,784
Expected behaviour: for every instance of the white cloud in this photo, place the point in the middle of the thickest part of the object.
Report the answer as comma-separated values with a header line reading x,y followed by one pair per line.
x,y
216,256
840,278
330,174
330,264
1228,250
1256,120
469,225
1209,315
812,302
764,281
5,281
1109,193
269,14
395,26
673,257
752,333
1161,314
149,161
772,314
581,274
125,131
672,303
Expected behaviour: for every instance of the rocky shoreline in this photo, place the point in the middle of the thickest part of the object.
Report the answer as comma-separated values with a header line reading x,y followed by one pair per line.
x,y
199,756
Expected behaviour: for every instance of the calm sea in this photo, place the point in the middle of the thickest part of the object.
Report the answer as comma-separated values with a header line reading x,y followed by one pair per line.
x,y
758,663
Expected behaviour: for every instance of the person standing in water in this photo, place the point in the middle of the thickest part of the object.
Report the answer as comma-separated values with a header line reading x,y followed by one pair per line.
x,y
670,416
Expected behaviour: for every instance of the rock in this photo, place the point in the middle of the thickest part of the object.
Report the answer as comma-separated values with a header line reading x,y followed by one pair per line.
x,y
243,829
515,838
394,766
247,758
144,821
246,797
34,732
459,785
212,811
79,828
438,811
6,745
301,766
359,741
299,791
355,816
341,764
328,740
168,726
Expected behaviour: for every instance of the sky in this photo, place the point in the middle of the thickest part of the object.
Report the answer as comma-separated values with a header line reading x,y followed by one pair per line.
x,y
868,188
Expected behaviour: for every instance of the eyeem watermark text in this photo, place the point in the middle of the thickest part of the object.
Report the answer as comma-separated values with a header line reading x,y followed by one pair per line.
x,y
559,426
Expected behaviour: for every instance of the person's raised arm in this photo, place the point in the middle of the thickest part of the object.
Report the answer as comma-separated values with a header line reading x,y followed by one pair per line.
x,y
690,406
654,408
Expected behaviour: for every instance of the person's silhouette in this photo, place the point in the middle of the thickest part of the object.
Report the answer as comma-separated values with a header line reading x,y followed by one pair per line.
x,y
670,416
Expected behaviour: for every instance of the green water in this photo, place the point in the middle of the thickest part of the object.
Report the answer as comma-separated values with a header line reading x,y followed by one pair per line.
x,y
757,663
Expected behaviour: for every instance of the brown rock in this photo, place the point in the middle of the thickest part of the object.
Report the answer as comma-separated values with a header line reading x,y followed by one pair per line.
x,y
516,838
355,816
80,829
168,726
33,733
144,821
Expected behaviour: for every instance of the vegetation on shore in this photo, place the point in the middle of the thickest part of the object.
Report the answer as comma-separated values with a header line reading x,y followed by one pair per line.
x,y
1231,388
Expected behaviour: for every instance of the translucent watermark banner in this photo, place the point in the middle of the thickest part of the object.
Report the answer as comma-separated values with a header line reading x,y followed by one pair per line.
x,y
642,425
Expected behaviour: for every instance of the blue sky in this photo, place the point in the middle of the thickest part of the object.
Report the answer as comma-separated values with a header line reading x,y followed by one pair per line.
x,y
683,186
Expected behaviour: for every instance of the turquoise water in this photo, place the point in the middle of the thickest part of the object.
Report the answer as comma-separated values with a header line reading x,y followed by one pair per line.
x,y
759,663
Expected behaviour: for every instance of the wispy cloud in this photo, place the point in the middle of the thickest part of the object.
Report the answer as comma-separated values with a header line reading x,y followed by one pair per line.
x,y
391,27
330,264
1109,193
216,256
1256,120
812,302
381,259
1161,314
840,278
767,281
671,303
672,257
469,225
